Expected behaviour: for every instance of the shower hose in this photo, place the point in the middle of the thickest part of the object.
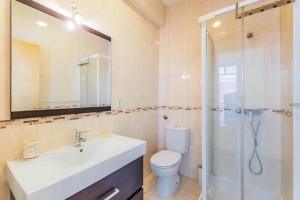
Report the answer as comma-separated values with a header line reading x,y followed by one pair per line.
x,y
255,155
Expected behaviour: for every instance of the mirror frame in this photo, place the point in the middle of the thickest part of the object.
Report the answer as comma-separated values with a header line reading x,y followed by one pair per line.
x,y
53,112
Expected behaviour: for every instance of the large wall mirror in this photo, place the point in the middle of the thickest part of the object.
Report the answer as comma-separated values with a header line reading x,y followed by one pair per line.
x,y
57,66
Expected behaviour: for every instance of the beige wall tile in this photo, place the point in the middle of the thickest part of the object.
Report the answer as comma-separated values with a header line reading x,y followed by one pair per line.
x,y
5,60
177,19
195,91
178,91
163,36
163,61
4,19
178,59
194,66
163,90
4,78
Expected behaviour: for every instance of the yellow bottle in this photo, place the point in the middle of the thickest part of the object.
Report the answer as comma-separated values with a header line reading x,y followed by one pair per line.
x,y
104,134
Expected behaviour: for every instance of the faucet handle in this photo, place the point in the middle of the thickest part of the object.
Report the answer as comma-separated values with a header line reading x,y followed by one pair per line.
x,y
80,132
79,135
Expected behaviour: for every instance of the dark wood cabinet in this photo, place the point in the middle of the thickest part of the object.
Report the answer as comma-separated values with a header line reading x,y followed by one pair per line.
x,y
138,196
120,185
124,184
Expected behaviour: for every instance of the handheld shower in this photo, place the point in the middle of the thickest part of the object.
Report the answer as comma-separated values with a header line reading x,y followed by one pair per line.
x,y
253,114
255,131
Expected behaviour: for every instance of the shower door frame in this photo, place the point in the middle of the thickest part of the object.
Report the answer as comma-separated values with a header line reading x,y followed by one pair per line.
x,y
86,60
296,100
296,77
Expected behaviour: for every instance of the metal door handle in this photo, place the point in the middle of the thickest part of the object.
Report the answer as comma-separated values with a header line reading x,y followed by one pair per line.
x,y
295,105
218,109
109,195
221,109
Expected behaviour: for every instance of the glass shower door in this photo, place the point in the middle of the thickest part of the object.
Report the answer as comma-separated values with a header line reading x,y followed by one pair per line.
x,y
247,79
267,90
223,103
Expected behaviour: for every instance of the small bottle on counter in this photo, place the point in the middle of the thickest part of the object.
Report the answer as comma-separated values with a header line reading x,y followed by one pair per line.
x,y
31,149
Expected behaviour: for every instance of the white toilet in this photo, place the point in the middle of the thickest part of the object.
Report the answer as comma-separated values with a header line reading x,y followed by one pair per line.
x,y
165,164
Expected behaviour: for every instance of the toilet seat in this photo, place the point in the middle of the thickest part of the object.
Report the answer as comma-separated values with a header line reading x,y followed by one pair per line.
x,y
165,159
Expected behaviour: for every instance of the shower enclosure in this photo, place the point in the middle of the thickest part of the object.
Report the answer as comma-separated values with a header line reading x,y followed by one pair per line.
x,y
247,75
93,83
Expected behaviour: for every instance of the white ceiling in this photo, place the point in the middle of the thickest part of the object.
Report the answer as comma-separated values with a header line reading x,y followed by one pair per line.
x,y
168,2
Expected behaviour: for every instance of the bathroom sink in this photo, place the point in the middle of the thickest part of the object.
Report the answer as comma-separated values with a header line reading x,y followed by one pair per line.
x,y
89,151
63,172
80,155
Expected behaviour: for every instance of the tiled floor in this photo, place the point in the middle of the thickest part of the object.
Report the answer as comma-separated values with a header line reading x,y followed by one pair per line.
x,y
188,190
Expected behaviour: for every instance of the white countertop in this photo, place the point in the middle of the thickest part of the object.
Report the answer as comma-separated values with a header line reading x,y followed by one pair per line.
x,y
61,173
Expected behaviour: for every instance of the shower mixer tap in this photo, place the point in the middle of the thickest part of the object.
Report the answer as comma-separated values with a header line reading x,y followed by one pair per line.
x,y
253,113
247,111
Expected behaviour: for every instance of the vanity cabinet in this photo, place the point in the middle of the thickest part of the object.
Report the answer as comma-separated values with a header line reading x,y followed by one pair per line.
x,y
124,184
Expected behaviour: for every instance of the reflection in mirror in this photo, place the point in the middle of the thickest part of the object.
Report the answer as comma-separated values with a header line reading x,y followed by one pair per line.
x,y
56,64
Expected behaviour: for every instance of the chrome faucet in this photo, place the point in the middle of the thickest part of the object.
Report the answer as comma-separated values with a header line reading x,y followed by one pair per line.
x,y
78,138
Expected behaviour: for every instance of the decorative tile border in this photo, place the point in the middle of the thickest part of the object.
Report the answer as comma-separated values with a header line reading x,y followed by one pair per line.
x,y
43,120
180,108
51,119
285,112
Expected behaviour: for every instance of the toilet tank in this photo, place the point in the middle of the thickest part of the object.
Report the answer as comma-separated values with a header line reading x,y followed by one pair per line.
x,y
178,139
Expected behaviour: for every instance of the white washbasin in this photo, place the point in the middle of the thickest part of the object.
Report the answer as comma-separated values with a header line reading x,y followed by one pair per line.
x,y
60,173
80,155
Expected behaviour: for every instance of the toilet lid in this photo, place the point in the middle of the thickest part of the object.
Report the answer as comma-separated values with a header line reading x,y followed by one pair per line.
x,y
165,158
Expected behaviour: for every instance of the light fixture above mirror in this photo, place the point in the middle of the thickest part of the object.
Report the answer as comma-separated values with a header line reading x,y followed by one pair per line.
x,y
76,16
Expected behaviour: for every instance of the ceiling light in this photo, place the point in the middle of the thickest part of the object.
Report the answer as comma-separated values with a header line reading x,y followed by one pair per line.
x,y
76,14
78,19
41,24
71,25
216,24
